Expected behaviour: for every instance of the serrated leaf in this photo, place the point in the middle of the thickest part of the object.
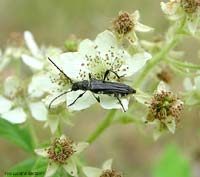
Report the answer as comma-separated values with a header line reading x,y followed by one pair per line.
x,y
21,136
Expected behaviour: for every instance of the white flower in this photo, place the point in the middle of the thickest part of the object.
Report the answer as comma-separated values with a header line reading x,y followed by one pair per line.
x,y
127,24
62,152
10,108
164,110
15,100
177,10
193,91
95,58
10,54
106,170
37,60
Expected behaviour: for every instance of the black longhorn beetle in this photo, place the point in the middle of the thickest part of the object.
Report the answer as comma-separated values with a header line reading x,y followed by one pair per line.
x,y
97,86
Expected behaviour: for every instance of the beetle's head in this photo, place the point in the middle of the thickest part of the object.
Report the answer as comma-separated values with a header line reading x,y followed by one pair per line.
x,y
83,85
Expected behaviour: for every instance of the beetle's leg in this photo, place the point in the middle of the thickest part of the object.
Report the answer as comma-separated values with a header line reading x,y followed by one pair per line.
x,y
90,76
120,102
97,98
108,71
105,75
76,99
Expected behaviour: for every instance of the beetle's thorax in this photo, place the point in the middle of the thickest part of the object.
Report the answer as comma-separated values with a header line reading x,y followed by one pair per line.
x,y
83,85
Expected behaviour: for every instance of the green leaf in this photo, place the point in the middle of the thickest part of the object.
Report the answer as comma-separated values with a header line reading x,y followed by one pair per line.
x,y
30,167
21,136
172,164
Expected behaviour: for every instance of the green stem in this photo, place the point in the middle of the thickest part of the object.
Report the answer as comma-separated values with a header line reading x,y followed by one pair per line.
x,y
161,55
154,61
184,64
102,126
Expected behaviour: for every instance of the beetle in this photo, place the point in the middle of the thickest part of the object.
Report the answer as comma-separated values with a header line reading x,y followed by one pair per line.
x,y
97,86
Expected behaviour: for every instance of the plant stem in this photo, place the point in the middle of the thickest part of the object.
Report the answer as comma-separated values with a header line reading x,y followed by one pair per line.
x,y
102,126
161,55
155,60
184,64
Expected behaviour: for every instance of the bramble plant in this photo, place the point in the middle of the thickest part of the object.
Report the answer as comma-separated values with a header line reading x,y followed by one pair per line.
x,y
46,93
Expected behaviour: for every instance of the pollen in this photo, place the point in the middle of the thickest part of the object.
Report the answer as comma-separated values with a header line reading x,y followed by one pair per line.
x,y
110,173
60,80
165,104
190,6
124,23
60,150
99,63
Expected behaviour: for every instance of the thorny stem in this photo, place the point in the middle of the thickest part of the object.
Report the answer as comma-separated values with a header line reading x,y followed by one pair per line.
x,y
102,126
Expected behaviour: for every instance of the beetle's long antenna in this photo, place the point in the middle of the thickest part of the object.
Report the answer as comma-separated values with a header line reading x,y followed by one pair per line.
x,y
57,98
60,70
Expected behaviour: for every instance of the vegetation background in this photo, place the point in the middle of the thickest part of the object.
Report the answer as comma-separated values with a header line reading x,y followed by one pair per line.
x,y
131,146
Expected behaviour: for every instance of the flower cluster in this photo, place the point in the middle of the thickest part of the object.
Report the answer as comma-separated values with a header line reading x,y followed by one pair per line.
x,y
95,58
184,10
164,110
62,152
58,82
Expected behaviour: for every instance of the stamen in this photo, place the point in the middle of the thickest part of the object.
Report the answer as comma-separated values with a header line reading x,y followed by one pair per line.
x,y
190,6
124,23
60,150
165,104
110,173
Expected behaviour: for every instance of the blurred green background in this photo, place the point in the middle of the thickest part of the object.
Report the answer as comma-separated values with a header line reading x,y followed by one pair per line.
x,y
131,146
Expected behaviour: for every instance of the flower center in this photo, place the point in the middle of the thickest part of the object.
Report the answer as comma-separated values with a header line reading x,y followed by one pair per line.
x,y
165,104
60,80
60,150
124,23
110,173
190,6
99,63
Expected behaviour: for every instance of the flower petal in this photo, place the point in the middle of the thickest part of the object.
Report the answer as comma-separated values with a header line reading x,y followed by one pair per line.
x,y
107,165
5,104
188,84
11,86
134,64
15,116
59,100
171,124
92,172
42,152
143,28
51,169
162,87
41,84
87,47
78,148
197,82
105,41
31,44
72,64
71,168
83,102
193,24
109,102
38,111
32,62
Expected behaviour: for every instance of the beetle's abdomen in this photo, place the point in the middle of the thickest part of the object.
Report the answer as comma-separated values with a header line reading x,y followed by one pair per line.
x,y
100,87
